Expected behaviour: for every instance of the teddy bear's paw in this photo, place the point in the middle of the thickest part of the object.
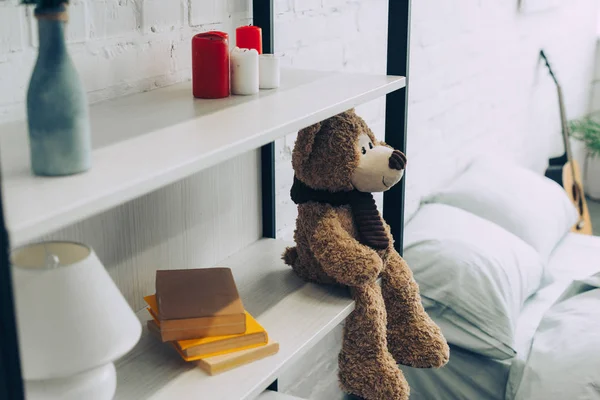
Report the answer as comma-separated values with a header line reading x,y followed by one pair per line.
x,y
419,347
372,378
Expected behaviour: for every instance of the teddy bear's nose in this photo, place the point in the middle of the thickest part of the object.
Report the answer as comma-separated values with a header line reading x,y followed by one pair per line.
x,y
397,160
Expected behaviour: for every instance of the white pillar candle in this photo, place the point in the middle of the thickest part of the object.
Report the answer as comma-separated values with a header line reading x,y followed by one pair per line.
x,y
268,66
244,71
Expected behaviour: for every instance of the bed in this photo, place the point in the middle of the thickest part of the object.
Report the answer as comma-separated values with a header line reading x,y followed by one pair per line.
x,y
494,218
472,376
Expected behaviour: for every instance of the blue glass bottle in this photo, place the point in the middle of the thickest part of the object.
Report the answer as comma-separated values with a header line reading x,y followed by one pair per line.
x,y
57,108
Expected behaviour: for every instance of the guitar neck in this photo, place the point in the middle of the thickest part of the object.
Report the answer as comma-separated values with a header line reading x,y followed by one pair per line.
x,y
564,123
561,104
565,129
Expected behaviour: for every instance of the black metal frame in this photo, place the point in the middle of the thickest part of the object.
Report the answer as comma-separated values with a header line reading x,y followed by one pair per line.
x,y
11,384
262,15
396,110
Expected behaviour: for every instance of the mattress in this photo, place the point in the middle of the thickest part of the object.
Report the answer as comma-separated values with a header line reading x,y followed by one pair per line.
x,y
471,376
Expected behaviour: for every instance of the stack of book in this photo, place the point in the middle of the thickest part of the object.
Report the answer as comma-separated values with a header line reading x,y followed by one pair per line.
x,y
199,311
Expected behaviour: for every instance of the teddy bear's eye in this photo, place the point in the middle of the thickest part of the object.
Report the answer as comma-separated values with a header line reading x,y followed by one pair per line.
x,y
370,145
364,151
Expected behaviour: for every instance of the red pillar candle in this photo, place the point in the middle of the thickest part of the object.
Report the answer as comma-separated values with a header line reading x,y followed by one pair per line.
x,y
210,65
249,37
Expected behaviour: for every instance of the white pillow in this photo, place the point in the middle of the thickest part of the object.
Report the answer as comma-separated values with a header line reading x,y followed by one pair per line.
x,y
473,275
531,206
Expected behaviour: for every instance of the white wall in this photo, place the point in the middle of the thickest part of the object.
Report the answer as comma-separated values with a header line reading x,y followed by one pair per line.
x,y
119,46
475,87
329,35
595,106
478,85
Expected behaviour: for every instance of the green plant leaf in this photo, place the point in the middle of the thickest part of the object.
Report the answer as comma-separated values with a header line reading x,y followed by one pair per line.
x,y
587,130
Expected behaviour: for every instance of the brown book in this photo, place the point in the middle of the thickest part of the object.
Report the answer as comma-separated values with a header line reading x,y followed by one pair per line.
x,y
217,364
184,334
192,328
197,293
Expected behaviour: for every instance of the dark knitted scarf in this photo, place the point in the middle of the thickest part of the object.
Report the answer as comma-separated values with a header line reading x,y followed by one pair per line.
x,y
370,226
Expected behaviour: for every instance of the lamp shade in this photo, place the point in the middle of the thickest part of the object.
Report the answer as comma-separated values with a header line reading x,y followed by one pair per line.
x,y
71,316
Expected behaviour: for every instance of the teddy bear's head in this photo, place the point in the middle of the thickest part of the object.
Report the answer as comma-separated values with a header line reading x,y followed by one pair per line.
x,y
342,154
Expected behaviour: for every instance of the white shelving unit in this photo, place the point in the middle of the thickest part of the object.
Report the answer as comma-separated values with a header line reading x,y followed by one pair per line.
x,y
295,313
145,141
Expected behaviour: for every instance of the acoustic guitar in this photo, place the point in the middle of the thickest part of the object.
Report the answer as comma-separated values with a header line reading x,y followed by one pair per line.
x,y
564,169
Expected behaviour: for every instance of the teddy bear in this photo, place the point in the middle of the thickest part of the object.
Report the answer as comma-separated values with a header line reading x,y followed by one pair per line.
x,y
341,239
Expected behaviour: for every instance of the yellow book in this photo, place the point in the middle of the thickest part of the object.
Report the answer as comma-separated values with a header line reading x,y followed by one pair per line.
x,y
194,349
217,364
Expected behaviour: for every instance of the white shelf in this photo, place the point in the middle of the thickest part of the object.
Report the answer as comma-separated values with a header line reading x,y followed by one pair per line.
x,y
270,395
145,141
296,314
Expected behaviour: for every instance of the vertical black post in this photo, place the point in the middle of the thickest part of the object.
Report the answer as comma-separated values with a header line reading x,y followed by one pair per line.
x,y
262,16
11,384
267,161
398,48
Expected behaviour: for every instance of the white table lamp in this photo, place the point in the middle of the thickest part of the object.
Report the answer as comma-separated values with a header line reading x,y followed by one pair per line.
x,y
73,322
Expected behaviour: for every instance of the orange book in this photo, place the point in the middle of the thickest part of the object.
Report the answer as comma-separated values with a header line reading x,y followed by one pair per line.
x,y
217,364
194,349
182,329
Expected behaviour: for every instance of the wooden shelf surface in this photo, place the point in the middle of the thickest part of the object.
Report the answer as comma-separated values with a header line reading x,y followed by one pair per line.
x,y
145,141
295,313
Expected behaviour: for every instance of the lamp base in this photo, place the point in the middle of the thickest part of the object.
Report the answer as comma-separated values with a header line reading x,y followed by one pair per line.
x,y
96,384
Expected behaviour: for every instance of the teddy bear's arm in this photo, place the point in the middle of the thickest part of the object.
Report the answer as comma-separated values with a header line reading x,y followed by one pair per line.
x,y
341,256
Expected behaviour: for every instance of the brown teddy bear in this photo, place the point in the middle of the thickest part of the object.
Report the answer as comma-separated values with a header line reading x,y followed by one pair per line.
x,y
342,239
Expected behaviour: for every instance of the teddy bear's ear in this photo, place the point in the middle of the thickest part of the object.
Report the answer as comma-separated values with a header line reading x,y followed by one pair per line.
x,y
304,145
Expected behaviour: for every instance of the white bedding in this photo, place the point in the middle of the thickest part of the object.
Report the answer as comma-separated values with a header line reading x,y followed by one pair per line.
x,y
560,351
469,376
564,360
576,257
474,277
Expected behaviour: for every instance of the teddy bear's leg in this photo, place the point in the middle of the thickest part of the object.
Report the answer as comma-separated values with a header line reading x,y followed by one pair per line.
x,y
413,338
367,369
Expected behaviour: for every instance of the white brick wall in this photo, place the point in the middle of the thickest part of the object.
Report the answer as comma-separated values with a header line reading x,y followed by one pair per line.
x,y
119,46
595,105
475,87
327,35
475,84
